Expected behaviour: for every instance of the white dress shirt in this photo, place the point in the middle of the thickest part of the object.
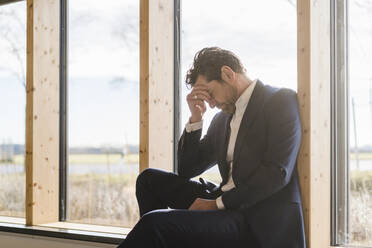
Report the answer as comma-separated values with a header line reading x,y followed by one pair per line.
x,y
241,105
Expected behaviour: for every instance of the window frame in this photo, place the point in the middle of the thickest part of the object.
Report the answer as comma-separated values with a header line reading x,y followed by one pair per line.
x,y
340,172
305,41
17,225
341,122
93,234
63,155
177,81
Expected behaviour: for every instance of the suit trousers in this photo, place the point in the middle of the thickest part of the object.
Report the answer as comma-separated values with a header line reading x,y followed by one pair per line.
x,y
163,200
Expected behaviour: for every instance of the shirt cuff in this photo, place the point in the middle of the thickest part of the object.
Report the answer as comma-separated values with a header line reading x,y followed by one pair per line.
x,y
219,203
190,127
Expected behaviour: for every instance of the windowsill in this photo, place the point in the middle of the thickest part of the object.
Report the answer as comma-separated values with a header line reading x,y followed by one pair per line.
x,y
350,246
66,230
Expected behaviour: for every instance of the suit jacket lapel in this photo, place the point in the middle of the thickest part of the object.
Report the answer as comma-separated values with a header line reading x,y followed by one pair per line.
x,y
223,148
253,107
226,135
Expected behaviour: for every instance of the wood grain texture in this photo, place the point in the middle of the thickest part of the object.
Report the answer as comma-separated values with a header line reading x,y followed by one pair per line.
x,y
42,116
314,100
161,81
29,111
144,84
303,89
320,227
157,80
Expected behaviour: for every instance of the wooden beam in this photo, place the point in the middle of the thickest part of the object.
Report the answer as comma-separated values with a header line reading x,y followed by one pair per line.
x,y
157,84
303,89
42,111
314,100
29,111
144,85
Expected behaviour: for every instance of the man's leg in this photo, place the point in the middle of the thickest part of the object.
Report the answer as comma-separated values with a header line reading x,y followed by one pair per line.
x,y
158,189
190,229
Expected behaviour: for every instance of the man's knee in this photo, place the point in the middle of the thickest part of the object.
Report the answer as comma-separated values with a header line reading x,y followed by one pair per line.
x,y
144,176
150,175
153,219
147,232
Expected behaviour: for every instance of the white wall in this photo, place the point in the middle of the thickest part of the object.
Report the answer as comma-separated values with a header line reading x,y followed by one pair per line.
x,y
13,240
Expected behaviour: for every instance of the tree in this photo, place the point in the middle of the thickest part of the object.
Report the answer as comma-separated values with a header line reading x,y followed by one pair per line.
x,y
13,36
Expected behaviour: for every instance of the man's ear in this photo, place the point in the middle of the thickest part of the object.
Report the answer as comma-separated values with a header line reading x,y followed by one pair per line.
x,y
227,74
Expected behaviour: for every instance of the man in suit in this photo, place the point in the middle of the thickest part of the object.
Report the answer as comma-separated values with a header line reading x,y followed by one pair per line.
x,y
254,140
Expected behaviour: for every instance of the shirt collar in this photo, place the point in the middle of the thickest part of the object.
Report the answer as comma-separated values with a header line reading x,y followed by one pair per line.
x,y
244,98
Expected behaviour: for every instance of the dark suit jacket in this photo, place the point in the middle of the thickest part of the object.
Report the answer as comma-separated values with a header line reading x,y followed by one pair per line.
x,y
264,164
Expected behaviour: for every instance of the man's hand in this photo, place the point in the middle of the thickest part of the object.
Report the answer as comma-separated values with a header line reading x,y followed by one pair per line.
x,y
203,204
196,103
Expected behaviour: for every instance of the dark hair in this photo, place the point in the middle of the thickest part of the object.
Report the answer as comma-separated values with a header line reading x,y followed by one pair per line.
x,y
208,62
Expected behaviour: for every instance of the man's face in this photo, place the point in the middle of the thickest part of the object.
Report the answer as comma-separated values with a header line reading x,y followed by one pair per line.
x,y
223,94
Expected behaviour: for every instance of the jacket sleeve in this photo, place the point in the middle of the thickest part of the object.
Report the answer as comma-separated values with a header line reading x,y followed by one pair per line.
x,y
279,160
196,155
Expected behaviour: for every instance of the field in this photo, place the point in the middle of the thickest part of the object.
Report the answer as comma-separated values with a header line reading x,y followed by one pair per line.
x,y
103,199
91,158
361,156
93,199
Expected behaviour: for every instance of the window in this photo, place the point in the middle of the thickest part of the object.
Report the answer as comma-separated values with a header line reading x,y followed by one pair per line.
x,y
360,121
352,143
102,111
12,108
243,30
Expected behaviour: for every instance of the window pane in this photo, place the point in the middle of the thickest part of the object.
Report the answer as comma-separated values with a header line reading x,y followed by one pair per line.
x,y
360,121
12,108
266,46
103,111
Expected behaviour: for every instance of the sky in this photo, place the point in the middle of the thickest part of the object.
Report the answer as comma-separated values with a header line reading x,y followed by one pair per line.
x,y
250,32
103,61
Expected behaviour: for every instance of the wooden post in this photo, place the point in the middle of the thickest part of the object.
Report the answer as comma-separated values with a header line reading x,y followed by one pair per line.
x,y
156,83
42,111
314,100
144,84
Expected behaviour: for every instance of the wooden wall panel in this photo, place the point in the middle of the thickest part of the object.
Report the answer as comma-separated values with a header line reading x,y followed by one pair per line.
x,y
29,111
314,99
42,111
157,80
144,84
320,124
303,88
